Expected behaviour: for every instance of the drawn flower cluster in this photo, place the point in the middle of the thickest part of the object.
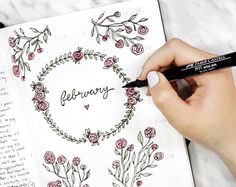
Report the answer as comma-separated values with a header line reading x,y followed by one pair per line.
x,y
133,97
68,173
131,167
40,95
25,48
110,62
120,32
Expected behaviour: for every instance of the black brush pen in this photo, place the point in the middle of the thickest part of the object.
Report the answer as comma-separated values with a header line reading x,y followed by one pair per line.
x,y
196,68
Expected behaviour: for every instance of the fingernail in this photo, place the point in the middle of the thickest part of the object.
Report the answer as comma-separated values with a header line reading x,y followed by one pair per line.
x,y
153,78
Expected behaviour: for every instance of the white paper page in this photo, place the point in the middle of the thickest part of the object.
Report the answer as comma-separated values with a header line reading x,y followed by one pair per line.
x,y
16,165
82,103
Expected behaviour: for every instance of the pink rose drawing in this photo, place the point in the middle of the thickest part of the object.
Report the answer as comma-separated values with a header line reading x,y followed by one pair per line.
x,y
115,164
51,184
16,70
120,43
49,157
61,159
117,14
76,161
93,137
139,183
128,29
154,147
150,132
121,143
158,156
39,96
31,56
132,101
77,56
142,30
130,147
137,49
12,42
58,183
83,167
105,37
38,87
130,92
40,50
42,105
109,62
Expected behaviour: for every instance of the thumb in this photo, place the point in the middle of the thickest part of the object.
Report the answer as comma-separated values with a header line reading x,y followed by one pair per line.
x,y
177,111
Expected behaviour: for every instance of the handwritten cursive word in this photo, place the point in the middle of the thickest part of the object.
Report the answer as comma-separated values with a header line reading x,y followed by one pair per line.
x,y
74,94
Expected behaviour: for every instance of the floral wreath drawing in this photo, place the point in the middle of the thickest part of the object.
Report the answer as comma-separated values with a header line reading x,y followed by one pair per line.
x,y
25,48
69,174
129,170
120,31
43,106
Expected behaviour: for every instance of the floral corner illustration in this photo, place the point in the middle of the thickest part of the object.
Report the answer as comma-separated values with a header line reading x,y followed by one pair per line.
x,y
120,32
131,167
108,63
68,173
25,48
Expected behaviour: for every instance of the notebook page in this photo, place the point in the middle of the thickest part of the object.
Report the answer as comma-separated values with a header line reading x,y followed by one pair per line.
x,y
85,128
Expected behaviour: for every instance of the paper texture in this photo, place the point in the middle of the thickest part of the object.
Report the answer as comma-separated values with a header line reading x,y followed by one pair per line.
x,y
85,129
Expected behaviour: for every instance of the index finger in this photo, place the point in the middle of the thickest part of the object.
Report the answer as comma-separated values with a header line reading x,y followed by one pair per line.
x,y
174,52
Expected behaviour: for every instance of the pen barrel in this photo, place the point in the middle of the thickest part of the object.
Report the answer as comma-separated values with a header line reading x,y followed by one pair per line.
x,y
200,67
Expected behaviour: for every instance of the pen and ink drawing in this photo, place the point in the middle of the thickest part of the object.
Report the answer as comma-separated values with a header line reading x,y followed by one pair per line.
x,y
94,137
75,94
68,173
86,106
132,167
25,48
120,32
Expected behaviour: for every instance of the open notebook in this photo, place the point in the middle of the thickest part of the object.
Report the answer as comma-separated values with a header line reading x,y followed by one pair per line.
x,y
65,119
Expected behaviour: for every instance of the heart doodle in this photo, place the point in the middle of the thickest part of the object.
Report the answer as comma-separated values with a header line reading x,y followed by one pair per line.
x,y
86,107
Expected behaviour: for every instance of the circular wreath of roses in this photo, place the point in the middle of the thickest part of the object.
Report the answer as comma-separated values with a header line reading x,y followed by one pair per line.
x,y
43,106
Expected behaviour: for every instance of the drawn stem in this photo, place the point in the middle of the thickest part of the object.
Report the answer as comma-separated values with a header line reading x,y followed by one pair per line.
x,y
128,158
138,162
123,23
123,165
121,36
148,165
80,179
66,174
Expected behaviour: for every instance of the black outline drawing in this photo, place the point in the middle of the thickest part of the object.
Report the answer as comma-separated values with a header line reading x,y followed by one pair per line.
x,y
41,105
120,32
25,46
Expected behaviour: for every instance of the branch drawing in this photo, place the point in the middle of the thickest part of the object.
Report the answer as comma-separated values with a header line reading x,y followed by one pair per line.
x,y
131,167
25,48
110,27
69,174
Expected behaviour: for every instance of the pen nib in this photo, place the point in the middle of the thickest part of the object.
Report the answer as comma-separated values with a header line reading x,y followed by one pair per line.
x,y
137,83
129,85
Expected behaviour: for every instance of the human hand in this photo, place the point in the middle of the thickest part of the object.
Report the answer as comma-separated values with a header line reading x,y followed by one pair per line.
x,y
208,116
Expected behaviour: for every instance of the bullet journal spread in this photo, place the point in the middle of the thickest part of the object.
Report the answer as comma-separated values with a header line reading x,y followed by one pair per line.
x,y
65,119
